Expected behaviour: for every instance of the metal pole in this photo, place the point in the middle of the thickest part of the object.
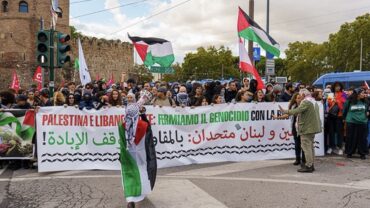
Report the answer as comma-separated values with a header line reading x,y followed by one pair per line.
x,y
51,72
267,31
250,43
222,71
268,17
361,55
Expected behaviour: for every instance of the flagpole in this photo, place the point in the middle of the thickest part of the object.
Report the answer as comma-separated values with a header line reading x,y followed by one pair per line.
x,y
250,43
361,55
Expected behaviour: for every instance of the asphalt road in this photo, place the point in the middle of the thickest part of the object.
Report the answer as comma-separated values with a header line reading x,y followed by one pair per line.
x,y
337,182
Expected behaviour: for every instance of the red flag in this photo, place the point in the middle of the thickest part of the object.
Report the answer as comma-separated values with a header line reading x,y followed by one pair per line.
x,y
39,86
246,65
15,81
37,77
62,83
111,80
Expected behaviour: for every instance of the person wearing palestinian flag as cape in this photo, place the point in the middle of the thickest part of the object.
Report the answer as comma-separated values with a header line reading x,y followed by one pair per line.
x,y
137,153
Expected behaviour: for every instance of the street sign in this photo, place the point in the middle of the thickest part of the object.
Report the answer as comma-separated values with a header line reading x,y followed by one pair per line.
x,y
257,54
161,70
270,67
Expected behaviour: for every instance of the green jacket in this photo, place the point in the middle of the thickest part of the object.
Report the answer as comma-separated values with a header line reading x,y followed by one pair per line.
x,y
356,113
309,118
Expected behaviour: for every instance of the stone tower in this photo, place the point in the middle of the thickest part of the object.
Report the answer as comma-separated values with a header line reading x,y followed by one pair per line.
x,y
19,22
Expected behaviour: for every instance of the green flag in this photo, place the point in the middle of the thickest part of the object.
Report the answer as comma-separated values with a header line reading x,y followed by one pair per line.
x,y
76,65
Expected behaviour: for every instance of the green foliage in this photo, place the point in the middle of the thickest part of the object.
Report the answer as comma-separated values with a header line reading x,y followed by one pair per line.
x,y
141,73
306,61
74,33
210,63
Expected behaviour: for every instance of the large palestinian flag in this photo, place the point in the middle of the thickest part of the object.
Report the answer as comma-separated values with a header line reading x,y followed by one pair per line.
x,y
16,131
154,51
138,162
250,30
246,65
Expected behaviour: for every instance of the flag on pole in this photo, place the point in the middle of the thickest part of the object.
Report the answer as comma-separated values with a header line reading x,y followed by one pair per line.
x,y
37,77
15,81
246,65
154,51
111,80
82,66
39,86
76,65
250,30
54,10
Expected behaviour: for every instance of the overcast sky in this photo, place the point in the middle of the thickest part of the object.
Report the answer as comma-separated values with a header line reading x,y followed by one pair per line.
x,y
198,23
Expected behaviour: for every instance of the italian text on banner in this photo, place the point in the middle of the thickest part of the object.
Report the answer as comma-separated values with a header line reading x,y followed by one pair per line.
x,y
70,139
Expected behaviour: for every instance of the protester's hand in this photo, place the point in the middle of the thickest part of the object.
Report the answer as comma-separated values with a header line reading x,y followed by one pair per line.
x,y
275,117
160,106
65,105
109,105
37,109
192,107
76,106
182,105
173,106
212,104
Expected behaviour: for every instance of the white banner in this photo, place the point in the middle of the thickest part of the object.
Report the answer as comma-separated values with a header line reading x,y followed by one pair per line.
x,y
70,139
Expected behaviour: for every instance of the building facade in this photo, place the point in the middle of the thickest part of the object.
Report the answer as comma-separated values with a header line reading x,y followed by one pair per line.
x,y
19,22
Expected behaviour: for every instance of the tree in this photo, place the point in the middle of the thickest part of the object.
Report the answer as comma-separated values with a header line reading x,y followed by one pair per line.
x,y
74,33
141,74
306,61
210,63
280,67
345,45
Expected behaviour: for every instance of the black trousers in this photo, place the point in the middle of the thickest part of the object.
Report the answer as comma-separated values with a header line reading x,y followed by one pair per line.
x,y
335,127
356,139
299,154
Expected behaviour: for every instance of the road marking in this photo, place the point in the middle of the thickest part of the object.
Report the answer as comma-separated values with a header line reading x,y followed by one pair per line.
x,y
181,194
267,180
4,169
231,168
363,183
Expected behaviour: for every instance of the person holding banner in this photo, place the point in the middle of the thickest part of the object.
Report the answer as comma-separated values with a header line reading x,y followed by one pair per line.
x,y
137,154
309,124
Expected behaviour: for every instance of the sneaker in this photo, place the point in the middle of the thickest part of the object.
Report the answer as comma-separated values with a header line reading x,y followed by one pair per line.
x,y
305,169
296,163
363,157
330,150
340,152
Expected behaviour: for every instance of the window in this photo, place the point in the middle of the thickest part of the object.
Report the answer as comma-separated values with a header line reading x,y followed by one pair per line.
x,y
5,6
23,7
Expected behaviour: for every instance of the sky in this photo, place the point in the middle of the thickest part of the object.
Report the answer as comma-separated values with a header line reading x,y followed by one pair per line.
x,y
190,24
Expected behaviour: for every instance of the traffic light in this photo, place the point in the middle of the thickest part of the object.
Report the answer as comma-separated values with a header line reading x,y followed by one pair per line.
x,y
43,47
62,49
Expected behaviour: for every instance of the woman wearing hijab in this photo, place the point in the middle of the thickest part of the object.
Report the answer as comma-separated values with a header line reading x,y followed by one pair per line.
x,y
138,157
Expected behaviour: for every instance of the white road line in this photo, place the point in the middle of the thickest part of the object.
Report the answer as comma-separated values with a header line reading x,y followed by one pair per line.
x,y
267,180
181,194
231,168
4,169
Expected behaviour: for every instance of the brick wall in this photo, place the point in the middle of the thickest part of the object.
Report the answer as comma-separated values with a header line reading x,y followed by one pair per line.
x,y
18,46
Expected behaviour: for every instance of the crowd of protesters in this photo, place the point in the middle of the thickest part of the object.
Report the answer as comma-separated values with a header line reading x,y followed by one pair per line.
x,y
346,112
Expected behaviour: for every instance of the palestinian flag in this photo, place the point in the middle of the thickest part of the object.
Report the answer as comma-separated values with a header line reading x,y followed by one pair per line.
x,y
246,65
250,30
17,129
138,162
154,51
